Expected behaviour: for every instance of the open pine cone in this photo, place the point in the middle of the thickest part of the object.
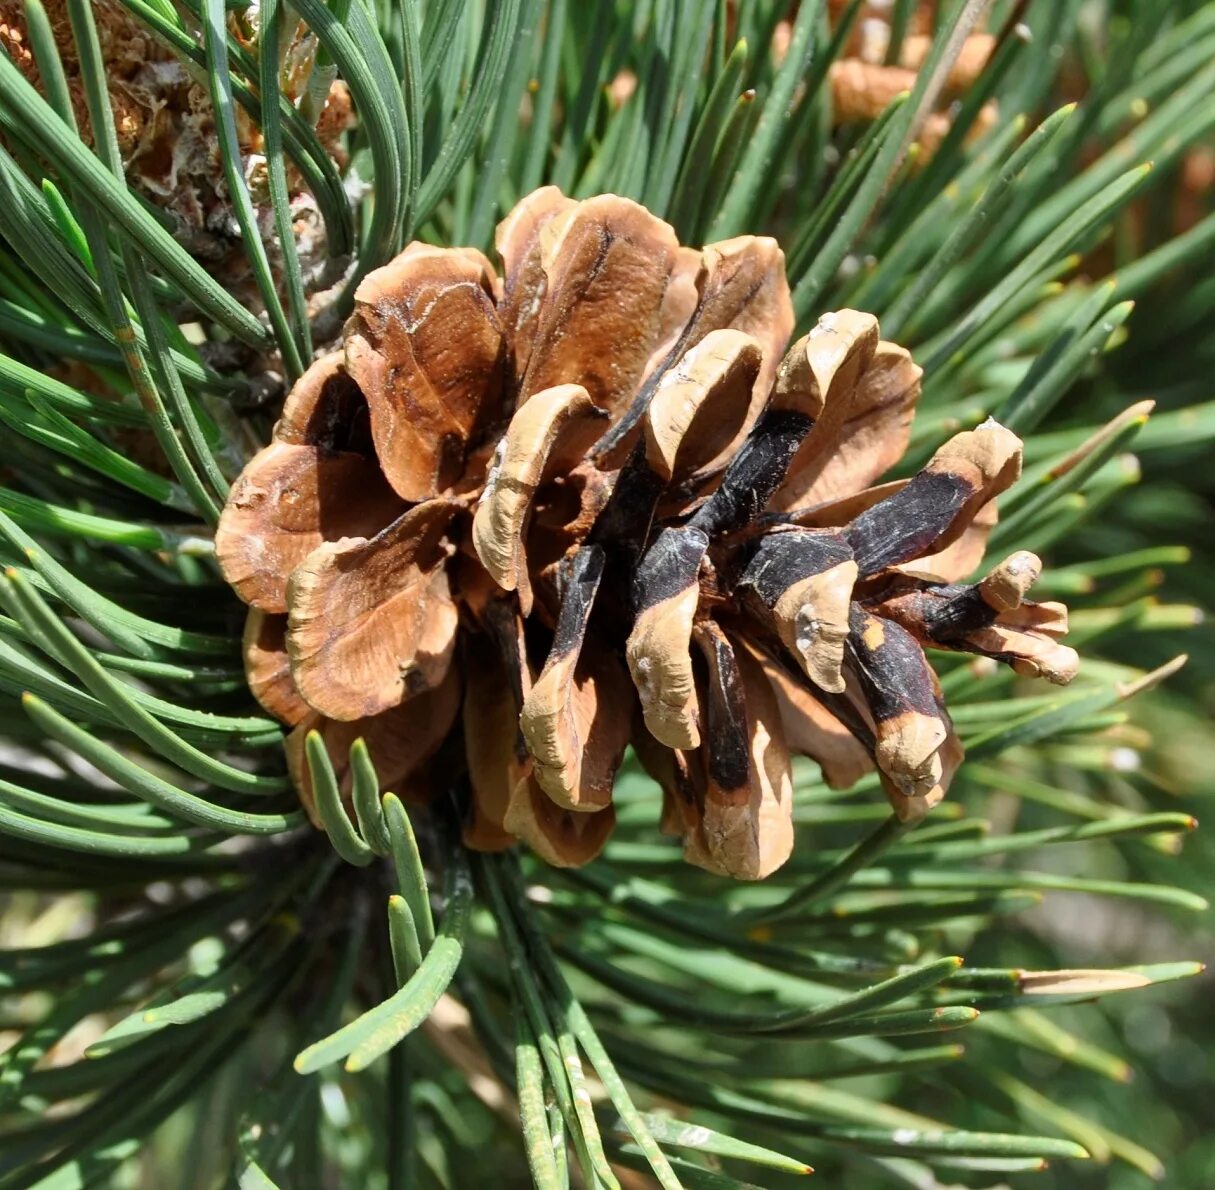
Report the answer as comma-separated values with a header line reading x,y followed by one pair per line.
x,y
518,524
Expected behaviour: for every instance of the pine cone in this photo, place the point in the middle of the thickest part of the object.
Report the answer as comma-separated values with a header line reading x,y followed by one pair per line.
x,y
518,524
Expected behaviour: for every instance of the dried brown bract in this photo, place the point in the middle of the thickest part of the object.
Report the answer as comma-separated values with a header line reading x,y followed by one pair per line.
x,y
526,521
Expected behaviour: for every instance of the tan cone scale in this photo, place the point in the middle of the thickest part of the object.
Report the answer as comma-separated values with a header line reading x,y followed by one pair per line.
x,y
519,523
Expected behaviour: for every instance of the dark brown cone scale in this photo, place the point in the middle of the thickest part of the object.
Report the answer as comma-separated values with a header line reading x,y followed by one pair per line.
x,y
599,502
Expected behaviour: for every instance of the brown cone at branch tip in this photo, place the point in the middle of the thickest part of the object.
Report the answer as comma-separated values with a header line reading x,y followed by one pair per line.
x,y
512,527
164,127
